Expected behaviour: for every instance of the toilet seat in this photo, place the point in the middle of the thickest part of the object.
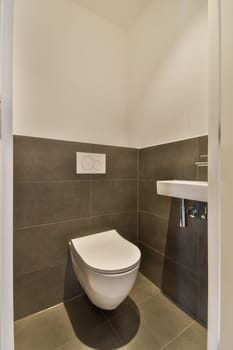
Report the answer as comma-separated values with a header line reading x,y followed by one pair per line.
x,y
106,252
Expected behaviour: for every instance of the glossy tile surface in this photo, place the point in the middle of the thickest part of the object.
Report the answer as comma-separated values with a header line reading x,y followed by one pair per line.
x,y
145,320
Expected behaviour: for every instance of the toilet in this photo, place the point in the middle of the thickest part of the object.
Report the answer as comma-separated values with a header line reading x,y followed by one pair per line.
x,y
106,266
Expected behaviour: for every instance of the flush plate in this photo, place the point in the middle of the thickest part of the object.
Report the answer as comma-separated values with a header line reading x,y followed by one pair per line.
x,y
90,163
194,190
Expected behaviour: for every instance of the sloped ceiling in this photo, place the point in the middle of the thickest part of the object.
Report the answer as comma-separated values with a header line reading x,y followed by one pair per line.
x,y
121,12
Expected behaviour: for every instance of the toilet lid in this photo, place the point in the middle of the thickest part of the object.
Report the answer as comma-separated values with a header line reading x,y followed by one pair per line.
x,y
107,252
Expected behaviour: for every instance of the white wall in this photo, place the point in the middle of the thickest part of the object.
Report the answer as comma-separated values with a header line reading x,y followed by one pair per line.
x,y
69,73
6,178
214,205
226,174
168,72
79,77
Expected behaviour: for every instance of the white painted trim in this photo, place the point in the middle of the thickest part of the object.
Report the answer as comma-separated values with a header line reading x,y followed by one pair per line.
x,y
6,185
214,232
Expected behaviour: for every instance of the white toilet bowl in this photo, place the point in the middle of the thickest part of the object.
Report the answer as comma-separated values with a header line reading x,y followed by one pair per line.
x,y
106,265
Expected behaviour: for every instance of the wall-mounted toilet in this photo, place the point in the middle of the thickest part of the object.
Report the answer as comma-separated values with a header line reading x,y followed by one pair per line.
x,y
106,265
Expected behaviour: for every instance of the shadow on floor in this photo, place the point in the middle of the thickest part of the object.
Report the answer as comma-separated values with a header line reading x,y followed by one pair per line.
x,y
93,326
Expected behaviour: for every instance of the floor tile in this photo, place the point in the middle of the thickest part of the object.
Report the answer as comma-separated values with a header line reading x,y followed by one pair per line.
x,y
43,331
194,338
143,289
76,344
90,326
159,322
144,321
100,337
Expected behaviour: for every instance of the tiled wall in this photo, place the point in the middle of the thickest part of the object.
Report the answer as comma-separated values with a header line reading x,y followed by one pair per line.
x,y
174,258
52,204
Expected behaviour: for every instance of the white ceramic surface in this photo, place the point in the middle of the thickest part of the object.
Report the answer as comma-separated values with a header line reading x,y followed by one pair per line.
x,y
107,252
194,190
107,287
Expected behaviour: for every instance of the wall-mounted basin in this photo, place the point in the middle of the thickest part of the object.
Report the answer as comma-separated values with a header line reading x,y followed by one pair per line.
x,y
194,190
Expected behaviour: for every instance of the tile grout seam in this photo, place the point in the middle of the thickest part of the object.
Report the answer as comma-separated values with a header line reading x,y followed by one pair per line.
x,y
177,336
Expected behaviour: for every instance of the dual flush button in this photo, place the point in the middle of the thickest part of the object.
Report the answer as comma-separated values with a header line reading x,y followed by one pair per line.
x,y
90,163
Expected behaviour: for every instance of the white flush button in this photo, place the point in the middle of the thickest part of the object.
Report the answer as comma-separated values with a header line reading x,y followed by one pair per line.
x,y
87,163
91,163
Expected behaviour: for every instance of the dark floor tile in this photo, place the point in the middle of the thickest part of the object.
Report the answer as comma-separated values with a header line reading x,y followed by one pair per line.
x,y
43,331
180,285
121,162
42,289
90,325
143,289
41,203
128,306
150,202
126,325
194,338
161,321
153,231
74,344
110,197
151,264
37,159
42,247
81,325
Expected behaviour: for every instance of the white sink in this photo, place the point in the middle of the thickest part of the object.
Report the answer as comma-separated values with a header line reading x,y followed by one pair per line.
x,y
194,190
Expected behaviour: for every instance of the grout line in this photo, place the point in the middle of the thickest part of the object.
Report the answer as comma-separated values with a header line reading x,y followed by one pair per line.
x,y
151,296
178,335
51,223
170,259
115,332
72,220
155,215
50,307
114,179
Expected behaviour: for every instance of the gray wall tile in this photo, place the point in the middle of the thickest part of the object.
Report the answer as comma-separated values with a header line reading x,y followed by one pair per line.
x,y
184,250
169,161
41,289
181,285
118,166
152,264
182,242
38,203
126,225
40,247
37,159
150,202
52,204
153,231
110,197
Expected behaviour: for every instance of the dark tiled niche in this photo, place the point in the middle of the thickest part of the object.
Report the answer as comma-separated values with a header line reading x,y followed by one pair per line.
x,y
174,258
52,205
